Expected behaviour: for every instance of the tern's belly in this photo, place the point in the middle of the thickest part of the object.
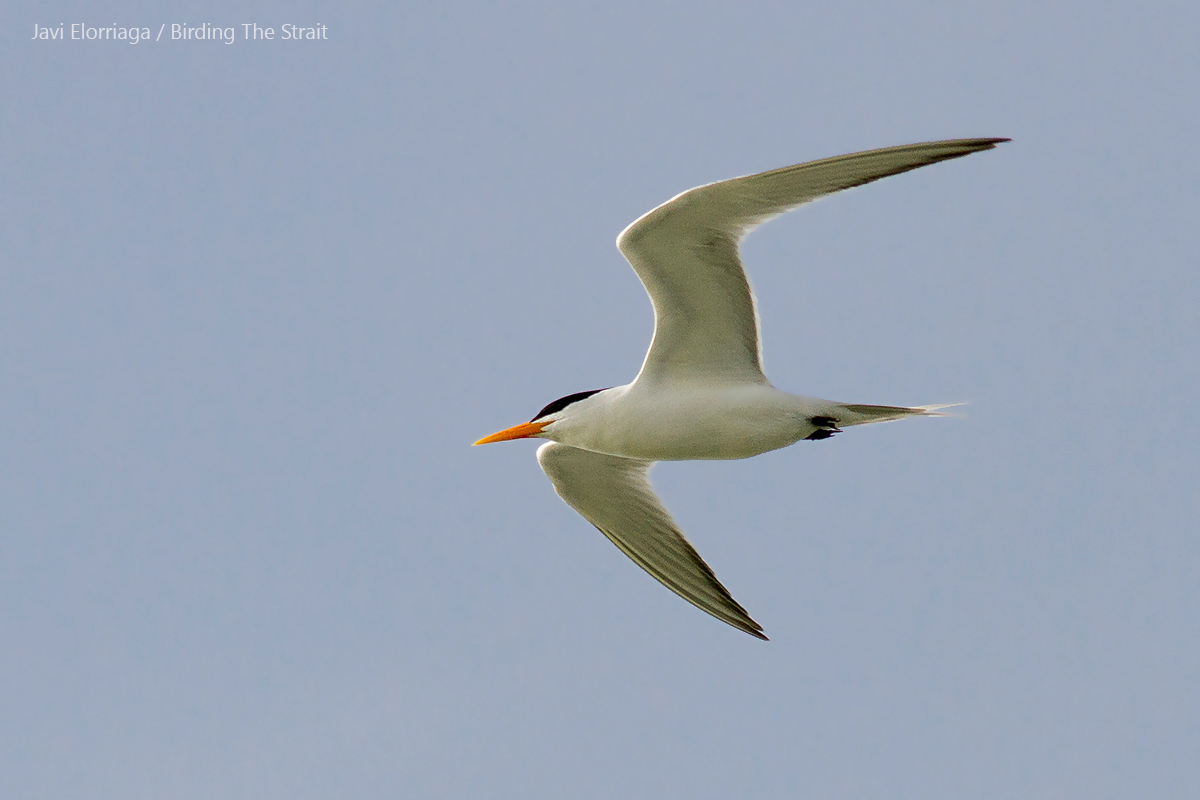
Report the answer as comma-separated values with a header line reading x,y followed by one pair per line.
x,y
728,423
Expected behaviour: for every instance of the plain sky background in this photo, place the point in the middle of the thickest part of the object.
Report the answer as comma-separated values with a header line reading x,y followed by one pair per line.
x,y
257,300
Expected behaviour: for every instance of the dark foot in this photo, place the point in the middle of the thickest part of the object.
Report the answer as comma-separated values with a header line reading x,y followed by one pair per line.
x,y
826,427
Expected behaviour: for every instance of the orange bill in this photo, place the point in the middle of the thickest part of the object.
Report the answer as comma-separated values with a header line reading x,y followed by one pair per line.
x,y
523,431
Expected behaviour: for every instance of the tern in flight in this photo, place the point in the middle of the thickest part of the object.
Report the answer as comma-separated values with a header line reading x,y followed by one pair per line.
x,y
701,392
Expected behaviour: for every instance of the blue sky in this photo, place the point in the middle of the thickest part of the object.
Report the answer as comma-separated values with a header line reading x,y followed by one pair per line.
x,y
258,299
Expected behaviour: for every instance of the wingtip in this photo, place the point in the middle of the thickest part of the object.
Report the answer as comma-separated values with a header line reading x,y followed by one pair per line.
x,y
751,627
974,145
979,145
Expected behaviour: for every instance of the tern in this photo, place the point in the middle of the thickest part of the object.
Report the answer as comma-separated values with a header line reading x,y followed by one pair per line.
x,y
701,392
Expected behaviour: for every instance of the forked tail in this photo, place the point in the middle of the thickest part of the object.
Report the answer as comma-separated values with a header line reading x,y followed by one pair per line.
x,y
862,415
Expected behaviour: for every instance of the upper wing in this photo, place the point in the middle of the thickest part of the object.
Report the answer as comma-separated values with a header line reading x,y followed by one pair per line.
x,y
613,494
686,254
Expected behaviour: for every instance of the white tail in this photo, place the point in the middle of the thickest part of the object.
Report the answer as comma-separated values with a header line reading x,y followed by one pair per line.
x,y
850,414
936,411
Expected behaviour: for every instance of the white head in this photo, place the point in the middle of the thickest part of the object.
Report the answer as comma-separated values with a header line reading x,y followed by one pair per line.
x,y
557,411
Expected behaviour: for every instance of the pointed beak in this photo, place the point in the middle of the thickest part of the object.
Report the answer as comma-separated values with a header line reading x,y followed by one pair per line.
x,y
525,430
